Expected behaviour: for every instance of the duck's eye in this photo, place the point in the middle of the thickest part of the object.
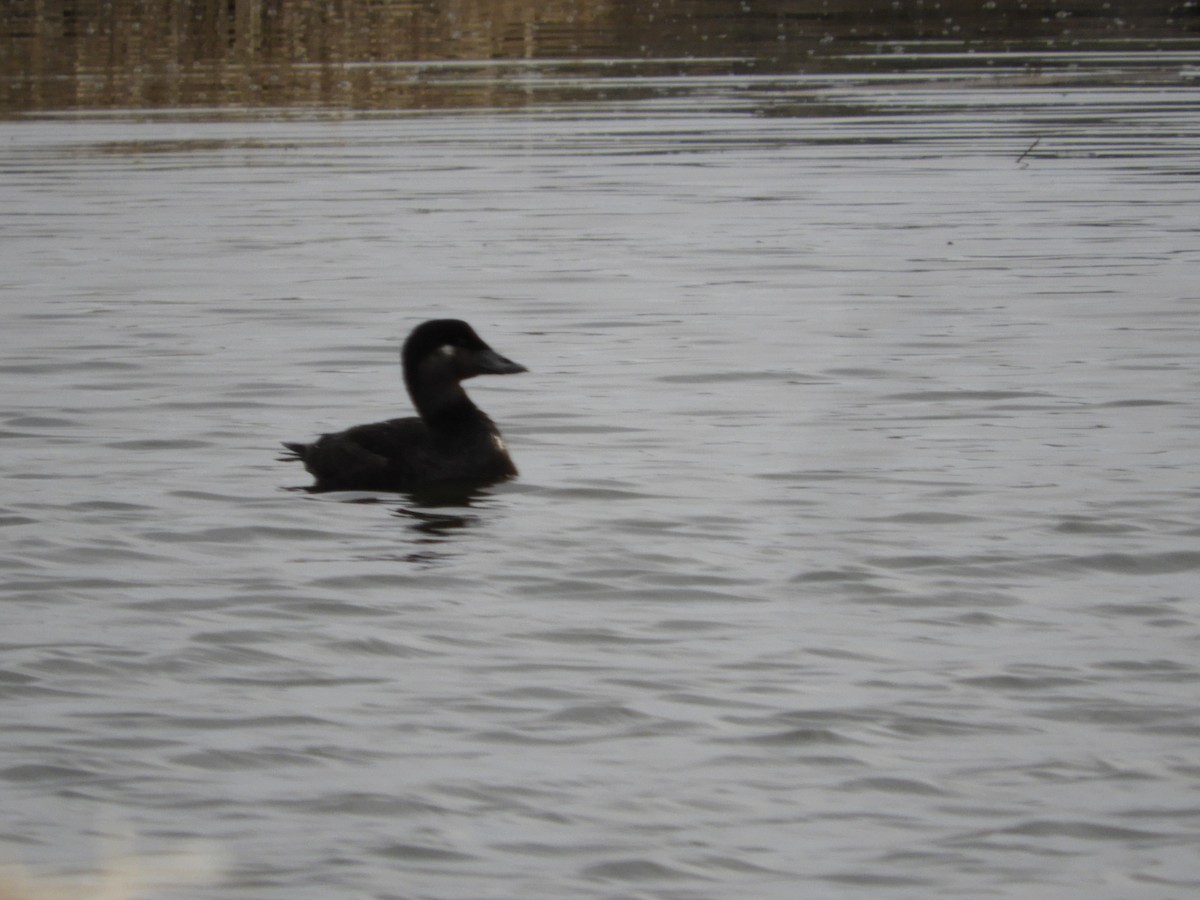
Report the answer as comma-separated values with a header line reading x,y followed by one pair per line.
x,y
448,350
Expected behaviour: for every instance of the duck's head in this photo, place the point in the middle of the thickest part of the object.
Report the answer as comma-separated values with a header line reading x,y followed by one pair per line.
x,y
449,350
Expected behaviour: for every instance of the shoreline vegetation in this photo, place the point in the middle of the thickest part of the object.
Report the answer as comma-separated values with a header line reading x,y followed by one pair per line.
x,y
397,54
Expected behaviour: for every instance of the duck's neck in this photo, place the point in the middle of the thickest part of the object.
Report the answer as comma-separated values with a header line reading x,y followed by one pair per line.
x,y
446,407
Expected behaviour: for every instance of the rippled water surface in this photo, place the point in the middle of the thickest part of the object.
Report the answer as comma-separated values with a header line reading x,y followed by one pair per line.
x,y
854,552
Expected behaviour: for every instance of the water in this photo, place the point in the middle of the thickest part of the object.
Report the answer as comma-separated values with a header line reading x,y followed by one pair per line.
x,y
855,547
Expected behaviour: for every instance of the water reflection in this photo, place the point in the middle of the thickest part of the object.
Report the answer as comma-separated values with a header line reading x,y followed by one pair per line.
x,y
59,54
446,495
433,531
438,525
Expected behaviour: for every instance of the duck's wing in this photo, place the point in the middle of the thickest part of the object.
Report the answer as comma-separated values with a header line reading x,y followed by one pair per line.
x,y
378,456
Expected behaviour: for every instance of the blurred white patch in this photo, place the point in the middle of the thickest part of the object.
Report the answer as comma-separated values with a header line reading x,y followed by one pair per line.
x,y
122,876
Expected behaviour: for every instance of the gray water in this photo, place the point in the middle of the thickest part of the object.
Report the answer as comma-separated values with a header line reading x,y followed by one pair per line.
x,y
854,551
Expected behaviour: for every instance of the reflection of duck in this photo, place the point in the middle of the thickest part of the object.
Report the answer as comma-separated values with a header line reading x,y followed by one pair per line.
x,y
452,440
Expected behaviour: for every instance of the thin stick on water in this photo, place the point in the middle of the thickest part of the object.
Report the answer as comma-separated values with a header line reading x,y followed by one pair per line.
x,y
1028,150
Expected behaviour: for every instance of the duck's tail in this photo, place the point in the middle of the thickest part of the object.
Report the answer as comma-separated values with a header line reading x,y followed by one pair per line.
x,y
294,452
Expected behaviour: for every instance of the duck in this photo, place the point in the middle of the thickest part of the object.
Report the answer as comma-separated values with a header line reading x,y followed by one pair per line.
x,y
451,440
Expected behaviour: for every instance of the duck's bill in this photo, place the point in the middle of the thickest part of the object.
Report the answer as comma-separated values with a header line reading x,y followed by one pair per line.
x,y
489,362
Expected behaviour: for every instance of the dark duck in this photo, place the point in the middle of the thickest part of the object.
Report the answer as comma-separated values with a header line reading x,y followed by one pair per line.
x,y
452,440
